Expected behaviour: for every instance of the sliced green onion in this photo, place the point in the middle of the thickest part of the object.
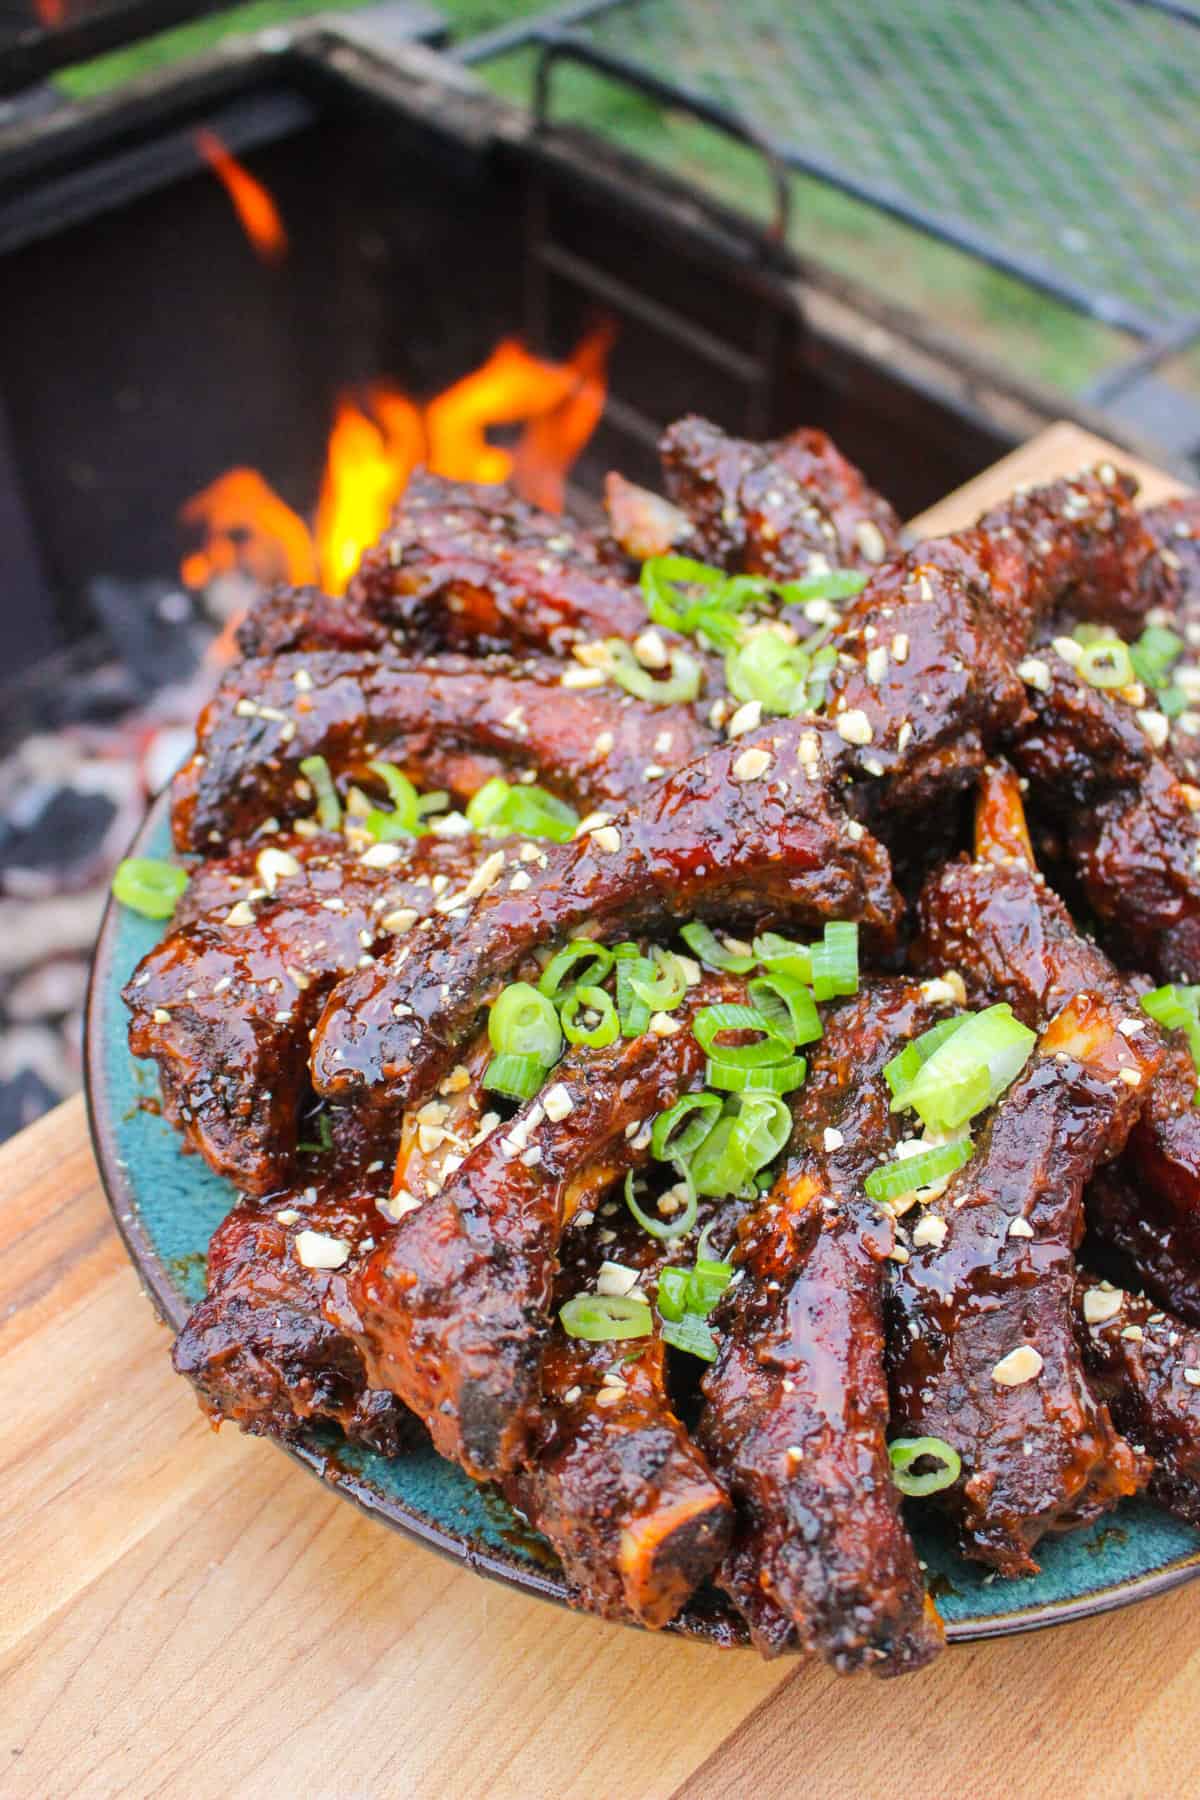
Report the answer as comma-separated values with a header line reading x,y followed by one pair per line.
x,y
149,886
682,684
517,1077
775,1078
324,1138
523,811
404,820
706,1283
740,1144
669,1143
437,800
712,952
597,961
315,771
598,1318
1178,1008
406,802
768,670
716,1169
712,1021
694,1290
661,579
763,1125
691,1335
486,804
663,1229
893,1179
673,1289
835,584
523,1022
784,956
664,993
1155,654
632,1010
835,961
534,812
969,1070
788,1004
904,1452
1171,701
1106,664
1174,1005
904,1068
591,1000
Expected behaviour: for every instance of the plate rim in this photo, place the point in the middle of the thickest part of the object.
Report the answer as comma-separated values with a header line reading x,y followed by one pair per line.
x,y
172,1310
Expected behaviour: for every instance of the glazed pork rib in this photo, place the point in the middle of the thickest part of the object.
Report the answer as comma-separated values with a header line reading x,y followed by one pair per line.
x,y
927,681
998,923
460,567
783,510
751,832
796,1414
258,1349
1145,1365
450,1311
1129,825
613,1480
981,1340
453,724
477,569
226,1001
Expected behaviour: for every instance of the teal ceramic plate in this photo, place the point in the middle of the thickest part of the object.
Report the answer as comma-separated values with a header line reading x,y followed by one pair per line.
x,y
167,1204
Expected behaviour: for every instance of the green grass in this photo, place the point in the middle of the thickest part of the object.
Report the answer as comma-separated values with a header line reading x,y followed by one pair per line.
x,y
1023,329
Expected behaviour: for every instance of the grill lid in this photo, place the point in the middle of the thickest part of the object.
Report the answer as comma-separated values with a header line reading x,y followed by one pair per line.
x,y
1058,140
40,36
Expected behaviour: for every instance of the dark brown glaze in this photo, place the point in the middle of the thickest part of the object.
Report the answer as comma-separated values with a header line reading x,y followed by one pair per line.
x,y
1125,819
225,1002
1145,1365
708,841
306,619
1038,1452
449,724
220,882
796,1414
475,568
613,1480
1089,548
258,1348
1010,937
926,683
1175,528
450,1311
784,510
1155,1250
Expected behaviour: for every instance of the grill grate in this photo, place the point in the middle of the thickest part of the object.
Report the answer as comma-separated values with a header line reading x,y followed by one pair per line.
x,y
1056,139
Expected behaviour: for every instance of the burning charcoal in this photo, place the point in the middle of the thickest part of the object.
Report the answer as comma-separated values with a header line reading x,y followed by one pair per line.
x,y
152,628
22,1100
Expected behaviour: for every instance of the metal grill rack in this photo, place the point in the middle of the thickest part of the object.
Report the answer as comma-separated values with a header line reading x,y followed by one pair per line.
x,y
1057,140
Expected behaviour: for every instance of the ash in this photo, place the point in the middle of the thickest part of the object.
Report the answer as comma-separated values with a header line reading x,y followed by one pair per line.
x,y
90,737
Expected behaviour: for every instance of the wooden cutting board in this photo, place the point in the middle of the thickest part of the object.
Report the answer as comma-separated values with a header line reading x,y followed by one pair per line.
x,y
183,1613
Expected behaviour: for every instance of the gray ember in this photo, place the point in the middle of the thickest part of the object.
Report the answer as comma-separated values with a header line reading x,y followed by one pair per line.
x,y
88,739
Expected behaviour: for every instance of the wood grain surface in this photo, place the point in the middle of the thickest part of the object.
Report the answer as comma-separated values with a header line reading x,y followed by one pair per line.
x,y
188,1613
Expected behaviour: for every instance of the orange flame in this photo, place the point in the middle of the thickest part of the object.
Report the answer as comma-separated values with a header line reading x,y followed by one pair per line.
x,y
254,206
366,471
551,443
374,448
248,527
510,386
